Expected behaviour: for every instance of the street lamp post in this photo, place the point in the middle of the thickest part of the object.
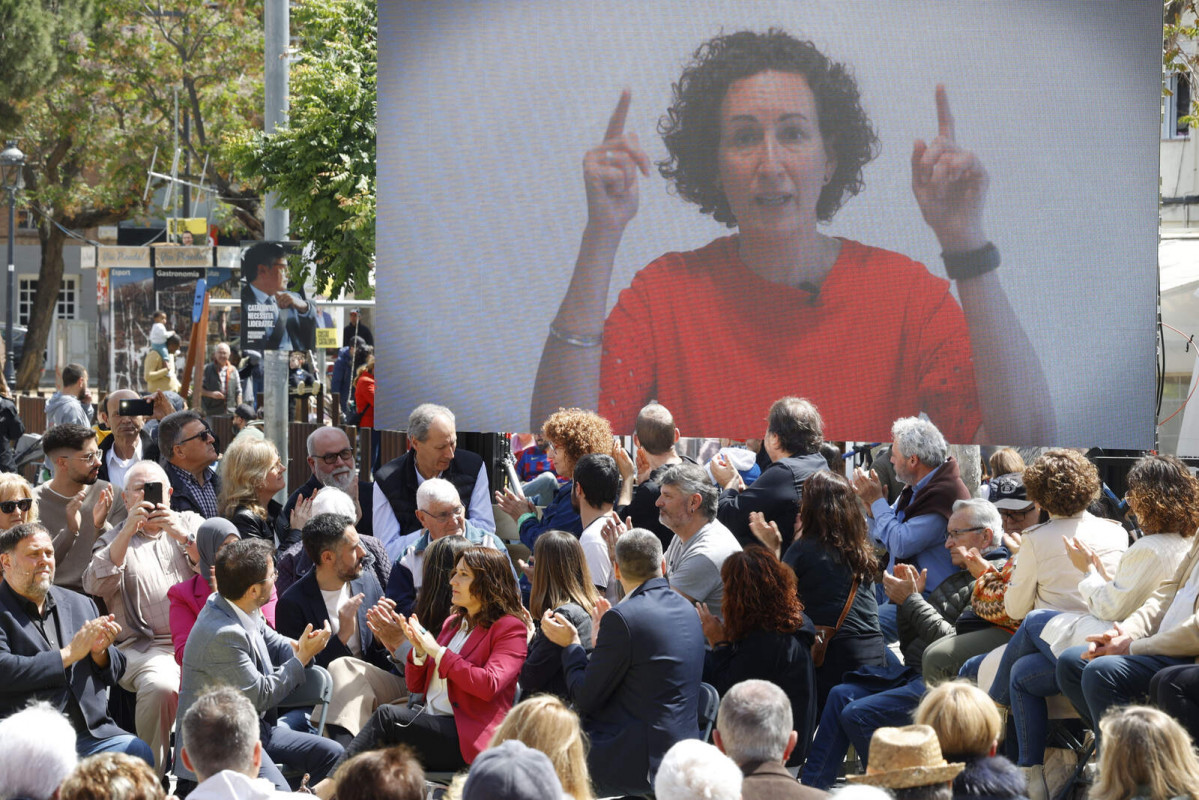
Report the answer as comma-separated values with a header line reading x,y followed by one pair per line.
x,y
12,180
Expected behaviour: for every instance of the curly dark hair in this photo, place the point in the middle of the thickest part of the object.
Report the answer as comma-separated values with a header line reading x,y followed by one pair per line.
x,y
829,514
577,433
691,126
759,594
492,584
1062,482
1164,495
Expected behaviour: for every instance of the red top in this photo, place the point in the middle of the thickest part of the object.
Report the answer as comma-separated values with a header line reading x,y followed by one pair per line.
x,y
717,345
480,680
364,399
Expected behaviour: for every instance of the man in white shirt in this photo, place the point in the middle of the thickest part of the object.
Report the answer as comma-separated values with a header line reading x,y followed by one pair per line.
x,y
596,487
129,443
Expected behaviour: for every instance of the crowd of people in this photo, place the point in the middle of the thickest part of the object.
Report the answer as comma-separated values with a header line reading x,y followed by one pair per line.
x,y
172,620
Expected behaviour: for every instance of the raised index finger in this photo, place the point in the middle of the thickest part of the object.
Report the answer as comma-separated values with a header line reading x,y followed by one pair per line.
x,y
616,121
944,115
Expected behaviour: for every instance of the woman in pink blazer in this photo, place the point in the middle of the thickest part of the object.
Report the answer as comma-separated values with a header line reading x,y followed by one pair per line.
x,y
467,673
189,596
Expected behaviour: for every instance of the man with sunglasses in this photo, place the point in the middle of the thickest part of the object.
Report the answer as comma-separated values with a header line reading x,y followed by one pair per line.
x,y
75,503
331,460
189,448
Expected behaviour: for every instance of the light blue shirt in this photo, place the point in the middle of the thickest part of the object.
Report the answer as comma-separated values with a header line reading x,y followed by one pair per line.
x,y
920,540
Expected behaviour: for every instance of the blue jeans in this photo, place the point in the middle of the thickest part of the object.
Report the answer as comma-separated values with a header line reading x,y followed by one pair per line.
x,y
888,621
970,669
88,745
1027,675
1097,685
851,715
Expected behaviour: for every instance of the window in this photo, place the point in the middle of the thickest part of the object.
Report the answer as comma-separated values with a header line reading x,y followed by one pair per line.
x,y
1176,105
68,297
26,221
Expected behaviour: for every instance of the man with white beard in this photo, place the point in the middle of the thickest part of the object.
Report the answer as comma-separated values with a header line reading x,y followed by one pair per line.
x,y
331,459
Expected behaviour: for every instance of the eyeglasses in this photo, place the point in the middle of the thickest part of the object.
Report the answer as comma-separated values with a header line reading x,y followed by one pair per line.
x,y
332,458
204,434
88,458
959,531
456,511
9,506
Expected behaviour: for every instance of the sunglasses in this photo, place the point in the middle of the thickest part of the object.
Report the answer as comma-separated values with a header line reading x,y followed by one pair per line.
x,y
330,459
204,434
9,506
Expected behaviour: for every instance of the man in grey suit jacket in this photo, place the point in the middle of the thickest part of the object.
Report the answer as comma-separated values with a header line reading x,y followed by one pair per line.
x,y
231,645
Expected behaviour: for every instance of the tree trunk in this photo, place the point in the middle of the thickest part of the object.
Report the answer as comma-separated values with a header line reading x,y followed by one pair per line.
x,y
45,303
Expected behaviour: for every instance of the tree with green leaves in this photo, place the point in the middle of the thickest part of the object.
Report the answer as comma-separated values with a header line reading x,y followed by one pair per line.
x,y
322,163
37,37
90,133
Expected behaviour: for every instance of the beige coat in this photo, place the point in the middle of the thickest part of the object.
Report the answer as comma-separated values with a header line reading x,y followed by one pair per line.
x,y
1181,641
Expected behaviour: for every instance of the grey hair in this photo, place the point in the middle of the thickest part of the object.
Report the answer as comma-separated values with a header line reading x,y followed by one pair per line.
x,y
171,428
331,500
639,555
151,466
219,732
693,479
421,419
755,722
692,768
37,752
436,490
919,437
312,437
982,514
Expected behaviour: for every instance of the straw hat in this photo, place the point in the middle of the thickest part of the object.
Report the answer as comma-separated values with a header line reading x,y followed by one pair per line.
x,y
901,758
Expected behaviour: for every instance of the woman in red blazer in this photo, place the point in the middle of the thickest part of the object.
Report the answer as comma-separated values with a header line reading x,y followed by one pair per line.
x,y
467,673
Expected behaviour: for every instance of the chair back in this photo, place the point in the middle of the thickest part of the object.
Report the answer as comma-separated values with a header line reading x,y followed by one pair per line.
x,y
316,690
709,703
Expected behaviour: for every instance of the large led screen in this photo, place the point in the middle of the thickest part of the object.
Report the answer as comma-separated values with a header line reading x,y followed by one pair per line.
x,y
770,211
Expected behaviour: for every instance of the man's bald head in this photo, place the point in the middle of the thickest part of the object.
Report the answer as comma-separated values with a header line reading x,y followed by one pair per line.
x,y
114,398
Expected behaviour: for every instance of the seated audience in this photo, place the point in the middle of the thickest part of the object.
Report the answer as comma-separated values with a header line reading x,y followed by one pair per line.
x,y
835,569
908,762
389,774
794,433
187,598
331,460
692,768
638,692
512,771
433,453
112,776
754,729
1165,498
1147,755
562,585
132,570
687,502
252,475
763,636
231,644
37,752
74,504
16,501
467,672
337,594
572,433
969,727
56,646
224,750
875,696
654,436
441,514
189,447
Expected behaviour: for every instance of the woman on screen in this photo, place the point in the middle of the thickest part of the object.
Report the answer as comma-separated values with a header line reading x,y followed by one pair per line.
x,y
768,136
